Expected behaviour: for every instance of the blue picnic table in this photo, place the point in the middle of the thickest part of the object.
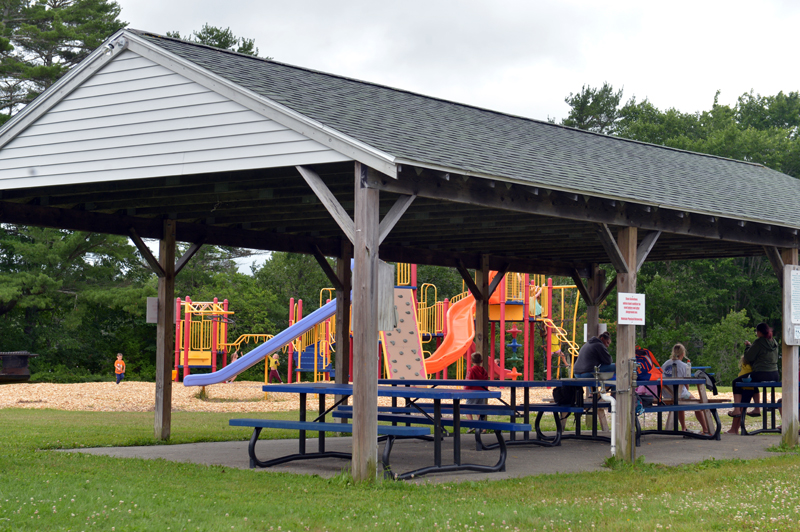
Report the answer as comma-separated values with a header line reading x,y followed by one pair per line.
x,y
391,433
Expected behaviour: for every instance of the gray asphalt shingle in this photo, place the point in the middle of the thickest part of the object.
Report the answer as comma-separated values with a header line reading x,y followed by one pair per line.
x,y
463,138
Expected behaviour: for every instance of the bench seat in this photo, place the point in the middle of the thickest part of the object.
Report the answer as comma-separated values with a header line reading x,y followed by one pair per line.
x,y
391,432
683,407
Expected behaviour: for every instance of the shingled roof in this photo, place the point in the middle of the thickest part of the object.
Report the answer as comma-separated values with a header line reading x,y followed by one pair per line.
x,y
432,132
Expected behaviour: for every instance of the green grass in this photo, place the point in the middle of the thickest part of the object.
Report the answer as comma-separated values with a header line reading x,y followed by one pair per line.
x,y
45,490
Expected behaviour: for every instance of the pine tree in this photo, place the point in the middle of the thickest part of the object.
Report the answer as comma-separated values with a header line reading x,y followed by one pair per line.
x,y
40,40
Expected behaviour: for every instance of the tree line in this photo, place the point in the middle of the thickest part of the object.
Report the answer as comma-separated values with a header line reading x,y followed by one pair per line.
x,y
78,298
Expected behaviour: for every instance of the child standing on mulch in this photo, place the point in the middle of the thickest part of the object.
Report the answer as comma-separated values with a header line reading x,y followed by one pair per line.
x,y
119,368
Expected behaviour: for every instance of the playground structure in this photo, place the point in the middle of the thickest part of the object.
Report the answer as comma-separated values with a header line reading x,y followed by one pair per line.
x,y
532,302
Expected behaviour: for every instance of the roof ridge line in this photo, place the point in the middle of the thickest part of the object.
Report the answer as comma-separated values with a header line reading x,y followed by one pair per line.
x,y
440,99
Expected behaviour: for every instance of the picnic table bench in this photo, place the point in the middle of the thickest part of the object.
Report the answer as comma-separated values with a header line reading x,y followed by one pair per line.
x,y
389,431
768,407
681,407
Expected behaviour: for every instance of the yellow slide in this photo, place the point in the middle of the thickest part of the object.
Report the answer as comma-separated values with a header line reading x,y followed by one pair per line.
x,y
460,333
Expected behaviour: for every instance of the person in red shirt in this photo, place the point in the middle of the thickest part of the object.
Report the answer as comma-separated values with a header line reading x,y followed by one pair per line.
x,y
476,373
119,368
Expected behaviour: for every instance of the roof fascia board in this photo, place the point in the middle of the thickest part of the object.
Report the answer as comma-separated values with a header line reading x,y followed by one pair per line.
x,y
281,114
63,87
461,172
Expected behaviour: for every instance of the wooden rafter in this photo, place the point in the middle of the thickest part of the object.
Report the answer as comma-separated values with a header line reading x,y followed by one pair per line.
x,y
329,201
611,247
146,254
393,216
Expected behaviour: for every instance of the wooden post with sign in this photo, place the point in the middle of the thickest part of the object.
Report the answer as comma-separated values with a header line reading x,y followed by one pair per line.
x,y
791,339
626,346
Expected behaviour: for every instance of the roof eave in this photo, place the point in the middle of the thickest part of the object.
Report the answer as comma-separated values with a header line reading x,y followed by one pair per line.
x,y
461,171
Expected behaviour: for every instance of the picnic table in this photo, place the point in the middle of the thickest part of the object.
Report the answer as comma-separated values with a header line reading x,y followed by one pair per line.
x,y
659,408
513,409
390,432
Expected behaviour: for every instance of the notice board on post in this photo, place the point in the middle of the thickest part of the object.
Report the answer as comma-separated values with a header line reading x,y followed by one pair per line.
x,y
630,309
791,304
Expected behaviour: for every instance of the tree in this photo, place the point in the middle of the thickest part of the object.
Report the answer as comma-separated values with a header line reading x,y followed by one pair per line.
x,y
41,39
594,109
219,38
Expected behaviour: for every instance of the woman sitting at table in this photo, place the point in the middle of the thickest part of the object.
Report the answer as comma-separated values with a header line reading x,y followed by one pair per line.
x,y
676,368
762,355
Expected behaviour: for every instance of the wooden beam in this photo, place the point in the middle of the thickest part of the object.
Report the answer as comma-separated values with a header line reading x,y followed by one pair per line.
x,y
497,279
116,224
343,314
582,289
165,334
611,247
451,259
606,291
645,247
626,346
789,359
393,216
534,200
146,255
776,261
597,281
329,201
473,288
365,330
326,268
186,257
482,312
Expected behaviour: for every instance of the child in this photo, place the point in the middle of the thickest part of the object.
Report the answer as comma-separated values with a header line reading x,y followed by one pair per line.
x,y
119,368
476,373
273,369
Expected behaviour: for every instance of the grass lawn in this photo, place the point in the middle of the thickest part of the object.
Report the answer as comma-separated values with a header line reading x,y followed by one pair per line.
x,y
45,490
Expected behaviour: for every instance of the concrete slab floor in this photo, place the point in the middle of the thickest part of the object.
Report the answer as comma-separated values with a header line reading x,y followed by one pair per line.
x,y
572,456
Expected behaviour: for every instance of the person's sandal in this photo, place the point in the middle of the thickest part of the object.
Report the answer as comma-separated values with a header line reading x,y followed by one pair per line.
x,y
753,414
731,414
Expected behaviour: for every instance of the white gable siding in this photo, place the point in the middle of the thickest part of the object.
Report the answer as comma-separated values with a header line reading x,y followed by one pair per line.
x,y
137,119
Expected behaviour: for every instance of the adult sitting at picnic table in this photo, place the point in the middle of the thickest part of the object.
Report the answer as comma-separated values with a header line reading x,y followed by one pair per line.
x,y
762,355
676,368
594,353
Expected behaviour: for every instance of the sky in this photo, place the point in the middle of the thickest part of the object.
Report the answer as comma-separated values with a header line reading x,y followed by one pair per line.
x,y
518,57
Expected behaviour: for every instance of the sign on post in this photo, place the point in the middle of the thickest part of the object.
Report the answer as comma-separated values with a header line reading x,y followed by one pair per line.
x,y
791,304
630,309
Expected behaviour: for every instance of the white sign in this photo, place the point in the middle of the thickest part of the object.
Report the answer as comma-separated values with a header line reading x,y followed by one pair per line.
x,y
795,291
601,328
630,309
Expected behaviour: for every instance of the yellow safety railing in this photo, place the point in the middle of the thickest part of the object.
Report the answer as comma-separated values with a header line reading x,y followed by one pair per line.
x,y
515,287
403,274
246,339
426,314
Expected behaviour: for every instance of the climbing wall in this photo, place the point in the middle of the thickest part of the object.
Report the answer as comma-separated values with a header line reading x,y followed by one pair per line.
x,y
402,345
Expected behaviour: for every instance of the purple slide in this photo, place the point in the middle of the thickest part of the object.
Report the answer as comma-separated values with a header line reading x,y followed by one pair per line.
x,y
264,350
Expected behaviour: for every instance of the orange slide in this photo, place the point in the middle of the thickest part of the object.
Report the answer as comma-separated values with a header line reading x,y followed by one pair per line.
x,y
460,332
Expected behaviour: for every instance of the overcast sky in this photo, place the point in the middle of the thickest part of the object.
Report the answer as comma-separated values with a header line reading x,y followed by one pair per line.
x,y
520,57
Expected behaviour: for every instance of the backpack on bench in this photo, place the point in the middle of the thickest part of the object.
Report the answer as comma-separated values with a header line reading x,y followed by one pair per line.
x,y
567,395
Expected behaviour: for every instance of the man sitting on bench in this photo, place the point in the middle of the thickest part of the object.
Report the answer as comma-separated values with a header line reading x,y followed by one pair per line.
x,y
594,353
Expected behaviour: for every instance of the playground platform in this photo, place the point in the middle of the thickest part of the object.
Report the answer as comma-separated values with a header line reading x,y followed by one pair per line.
x,y
572,456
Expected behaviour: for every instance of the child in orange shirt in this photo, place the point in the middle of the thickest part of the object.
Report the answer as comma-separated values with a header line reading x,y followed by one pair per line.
x,y
119,368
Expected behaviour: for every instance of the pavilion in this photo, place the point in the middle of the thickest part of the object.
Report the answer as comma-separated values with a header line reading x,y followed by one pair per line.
x,y
153,137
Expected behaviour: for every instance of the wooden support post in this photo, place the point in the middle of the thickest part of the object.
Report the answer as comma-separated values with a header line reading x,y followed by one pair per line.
x,y
164,333
596,284
626,346
789,363
482,312
342,356
343,315
365,329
